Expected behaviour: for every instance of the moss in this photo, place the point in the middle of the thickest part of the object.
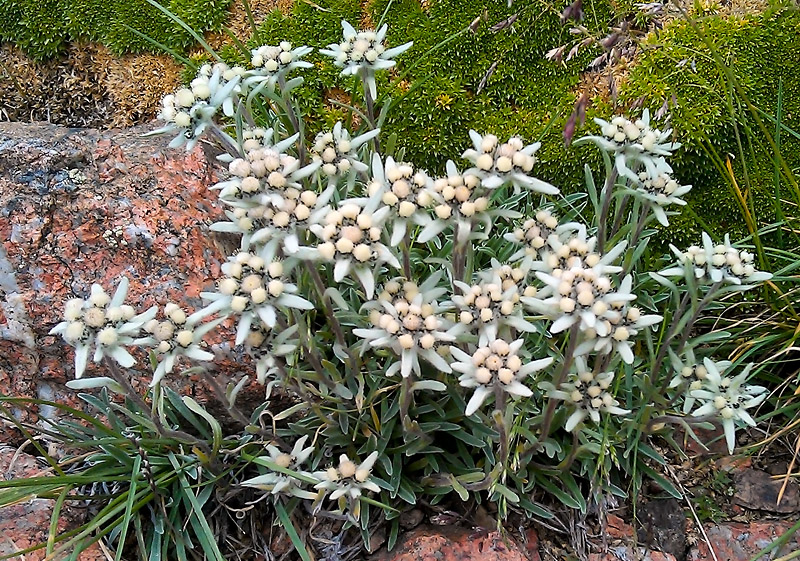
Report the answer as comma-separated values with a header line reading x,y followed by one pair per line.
x,y
761,51
43,27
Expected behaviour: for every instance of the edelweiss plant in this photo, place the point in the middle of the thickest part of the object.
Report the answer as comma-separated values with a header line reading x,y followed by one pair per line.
x,y
355,266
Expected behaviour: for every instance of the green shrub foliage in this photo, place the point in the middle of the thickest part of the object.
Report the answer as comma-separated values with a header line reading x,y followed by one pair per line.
x,y
41,28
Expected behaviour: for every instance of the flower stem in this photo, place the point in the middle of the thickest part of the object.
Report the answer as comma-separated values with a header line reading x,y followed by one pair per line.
x,y
602,223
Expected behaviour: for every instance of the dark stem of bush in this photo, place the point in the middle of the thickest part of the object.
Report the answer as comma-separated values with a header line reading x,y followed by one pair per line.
x,y
407,255
370,103
549,413
619,217
296,123
329,313
225,141
602,223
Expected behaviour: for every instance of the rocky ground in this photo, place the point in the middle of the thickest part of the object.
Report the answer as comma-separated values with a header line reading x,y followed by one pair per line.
x,y
79,206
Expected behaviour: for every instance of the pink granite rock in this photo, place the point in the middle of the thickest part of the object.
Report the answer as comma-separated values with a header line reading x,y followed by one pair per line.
x,y
27,524
84,206
453,543
737,541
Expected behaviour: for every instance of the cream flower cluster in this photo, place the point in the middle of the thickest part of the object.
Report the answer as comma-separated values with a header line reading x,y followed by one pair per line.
x,y
402,189
350,237
729,398
458,200
495,364
662,190
262,175
621,322
534,235
636,144
348,479
103,322
718,263
691,374
190,111
588,392
253,288
272,62
362,53
498,164
337,152
281,483
489,308
176,336
406,318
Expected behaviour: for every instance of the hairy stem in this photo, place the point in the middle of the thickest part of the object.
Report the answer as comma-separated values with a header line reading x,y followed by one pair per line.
x,y
602,223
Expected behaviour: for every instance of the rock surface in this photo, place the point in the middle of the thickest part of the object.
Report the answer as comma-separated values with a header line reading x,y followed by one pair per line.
x,y
27,524
79,206
453,543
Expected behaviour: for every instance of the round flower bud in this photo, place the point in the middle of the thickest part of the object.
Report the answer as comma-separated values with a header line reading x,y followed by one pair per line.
x,y
228,286
576,396
163,331
107,336
184,338
720,402
94,317
406,209
465,317
443,211
73,309
164,347
406,341
485,162
283,460
483,376
238,303
486,315
327,251
177,316
504,164
259,295
332,474
347,468
427,341
276,288
566,305
362,474
621,334
505,375
468,208
362,252
74,332
343,245
514,362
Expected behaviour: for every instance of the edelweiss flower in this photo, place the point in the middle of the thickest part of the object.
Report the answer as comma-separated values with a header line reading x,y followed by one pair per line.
x,y
661,190
635,144
587,392
410,324
460,200
496,364
536,233
691,375
348,479
104,322
579,295
278,482
362,53
403,190
350,236
719,263
571,249
253,288
263,175
268,346
191,110
621,323
489,308
337,153
176,336
728,398
509,163
273,62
